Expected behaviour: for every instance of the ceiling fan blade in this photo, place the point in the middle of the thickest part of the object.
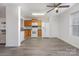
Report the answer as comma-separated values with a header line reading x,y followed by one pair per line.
x,y
54,7
64,6
50,10
59,6
50,6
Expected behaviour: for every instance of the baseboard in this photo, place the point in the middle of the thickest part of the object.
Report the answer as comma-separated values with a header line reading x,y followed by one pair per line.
x,y
49,37
45,37
8,46
69,43
22,41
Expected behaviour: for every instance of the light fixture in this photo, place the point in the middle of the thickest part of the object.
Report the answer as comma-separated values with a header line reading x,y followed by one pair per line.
x,y
38,14
56,11
56,8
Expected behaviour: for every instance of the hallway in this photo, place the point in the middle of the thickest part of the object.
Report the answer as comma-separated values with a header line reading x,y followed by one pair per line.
x,y
41,47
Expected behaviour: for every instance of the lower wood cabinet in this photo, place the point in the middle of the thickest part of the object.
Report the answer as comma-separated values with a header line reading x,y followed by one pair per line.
x,y
39,33
27,34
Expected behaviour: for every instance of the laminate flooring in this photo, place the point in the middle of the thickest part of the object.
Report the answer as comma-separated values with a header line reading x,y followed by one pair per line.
x,y
41,47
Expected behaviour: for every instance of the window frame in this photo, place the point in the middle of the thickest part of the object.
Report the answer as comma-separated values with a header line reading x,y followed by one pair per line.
x,y
71,24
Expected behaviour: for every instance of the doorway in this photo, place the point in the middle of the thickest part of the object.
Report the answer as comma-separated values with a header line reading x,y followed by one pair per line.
x,y
2,25
33,28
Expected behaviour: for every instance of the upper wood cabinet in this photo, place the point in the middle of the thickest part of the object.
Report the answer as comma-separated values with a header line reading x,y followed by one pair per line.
x,y
34,20
27,23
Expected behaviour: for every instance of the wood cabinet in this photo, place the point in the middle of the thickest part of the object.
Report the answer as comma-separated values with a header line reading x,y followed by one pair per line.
x,y
27,23
39,28
39,33
27,33
32,23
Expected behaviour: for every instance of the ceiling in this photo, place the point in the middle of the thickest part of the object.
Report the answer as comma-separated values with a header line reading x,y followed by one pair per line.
x,y
29,8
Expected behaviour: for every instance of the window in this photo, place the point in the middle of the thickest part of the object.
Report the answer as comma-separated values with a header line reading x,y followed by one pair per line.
x,y
75,24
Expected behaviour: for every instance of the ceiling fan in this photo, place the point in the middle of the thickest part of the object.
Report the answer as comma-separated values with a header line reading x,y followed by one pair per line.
x,y
56,6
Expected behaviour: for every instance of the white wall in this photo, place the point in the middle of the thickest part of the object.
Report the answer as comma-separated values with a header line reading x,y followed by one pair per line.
x,y
12,35
51,29
53,25
64,26
22,36
21,32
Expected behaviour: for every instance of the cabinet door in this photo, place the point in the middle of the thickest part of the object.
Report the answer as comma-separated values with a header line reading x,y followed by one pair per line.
x,y
27,33
27,23
39,33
